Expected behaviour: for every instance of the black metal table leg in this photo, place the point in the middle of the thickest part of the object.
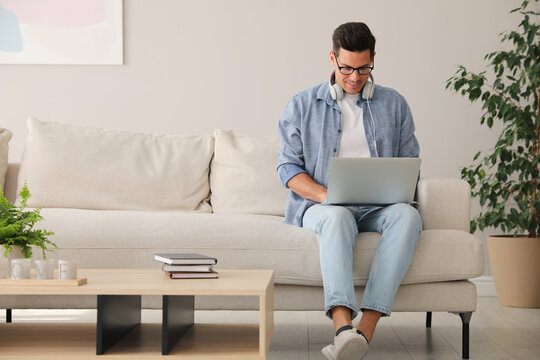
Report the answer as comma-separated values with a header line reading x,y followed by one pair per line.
x,y
8,316
428,319
117,315
178,317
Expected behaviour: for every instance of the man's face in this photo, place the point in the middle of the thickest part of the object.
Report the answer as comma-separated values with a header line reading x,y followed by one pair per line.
x,y
353,83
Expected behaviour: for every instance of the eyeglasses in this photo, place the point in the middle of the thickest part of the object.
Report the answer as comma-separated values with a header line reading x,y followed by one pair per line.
x,y
347,70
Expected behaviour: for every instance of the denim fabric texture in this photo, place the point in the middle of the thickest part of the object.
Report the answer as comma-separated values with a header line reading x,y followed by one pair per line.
x,y
400,226
310,134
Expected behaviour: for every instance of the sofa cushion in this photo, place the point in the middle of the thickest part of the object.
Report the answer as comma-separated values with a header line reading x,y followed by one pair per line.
x,y
80,167
243,177
130,238
5,136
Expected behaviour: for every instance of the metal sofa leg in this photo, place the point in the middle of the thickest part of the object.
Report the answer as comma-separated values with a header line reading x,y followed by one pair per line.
x,y
465,319
8,315
428,319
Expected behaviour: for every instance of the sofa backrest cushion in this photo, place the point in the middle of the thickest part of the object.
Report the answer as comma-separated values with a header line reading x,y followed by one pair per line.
x,y
444,203
243,177
68,166
5,136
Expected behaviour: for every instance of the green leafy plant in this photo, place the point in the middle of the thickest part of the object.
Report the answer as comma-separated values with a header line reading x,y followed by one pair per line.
x,y
506,179
17,226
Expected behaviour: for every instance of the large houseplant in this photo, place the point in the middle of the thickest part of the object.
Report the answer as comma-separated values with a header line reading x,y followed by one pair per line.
x,y
17,227
506,179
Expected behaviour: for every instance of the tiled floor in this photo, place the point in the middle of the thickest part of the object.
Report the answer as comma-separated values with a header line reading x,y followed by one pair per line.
x,y
496,332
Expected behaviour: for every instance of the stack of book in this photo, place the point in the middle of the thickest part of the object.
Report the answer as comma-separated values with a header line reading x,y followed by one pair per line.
x,y
187,266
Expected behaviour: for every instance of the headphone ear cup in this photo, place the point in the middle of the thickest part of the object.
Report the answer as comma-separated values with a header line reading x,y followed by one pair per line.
x,y
332,91
367,93
369,89
336,92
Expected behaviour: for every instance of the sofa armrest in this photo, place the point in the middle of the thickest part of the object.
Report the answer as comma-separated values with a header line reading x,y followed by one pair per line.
x,y
10,186
444,204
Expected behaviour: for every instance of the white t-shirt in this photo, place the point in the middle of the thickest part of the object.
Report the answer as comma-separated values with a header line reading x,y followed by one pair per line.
x,y
353,136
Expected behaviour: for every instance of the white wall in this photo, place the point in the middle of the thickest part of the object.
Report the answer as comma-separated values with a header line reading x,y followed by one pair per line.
x,y
193,66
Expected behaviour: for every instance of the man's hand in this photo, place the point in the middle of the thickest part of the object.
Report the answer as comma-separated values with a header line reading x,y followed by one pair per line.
x,y
303,185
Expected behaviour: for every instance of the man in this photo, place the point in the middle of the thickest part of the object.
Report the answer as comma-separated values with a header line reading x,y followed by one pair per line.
x,y
339,118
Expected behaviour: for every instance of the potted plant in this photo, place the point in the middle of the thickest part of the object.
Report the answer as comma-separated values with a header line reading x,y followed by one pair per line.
x,y
506,179
17,227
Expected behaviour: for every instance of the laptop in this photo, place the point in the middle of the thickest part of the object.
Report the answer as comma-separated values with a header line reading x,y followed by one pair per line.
x,y
372,181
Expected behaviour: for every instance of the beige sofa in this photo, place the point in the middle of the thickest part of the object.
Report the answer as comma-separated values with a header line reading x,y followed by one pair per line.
x,y
115,198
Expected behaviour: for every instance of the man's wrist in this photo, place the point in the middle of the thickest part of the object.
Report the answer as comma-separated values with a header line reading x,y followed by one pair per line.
x,y
322,194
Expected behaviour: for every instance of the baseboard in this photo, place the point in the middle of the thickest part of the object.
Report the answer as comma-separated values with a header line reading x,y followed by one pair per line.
x,y
484,286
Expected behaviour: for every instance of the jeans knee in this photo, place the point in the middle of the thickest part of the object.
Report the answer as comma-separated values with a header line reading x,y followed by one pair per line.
x,y
337,225
407,215
338,216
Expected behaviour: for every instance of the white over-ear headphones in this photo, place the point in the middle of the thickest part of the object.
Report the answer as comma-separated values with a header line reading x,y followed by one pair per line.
x,y
336,91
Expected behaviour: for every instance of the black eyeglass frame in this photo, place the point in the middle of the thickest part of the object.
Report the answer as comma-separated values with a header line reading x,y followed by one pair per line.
x,y
353,69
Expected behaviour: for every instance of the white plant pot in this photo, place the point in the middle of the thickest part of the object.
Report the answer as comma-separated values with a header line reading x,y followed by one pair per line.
x,y
15,253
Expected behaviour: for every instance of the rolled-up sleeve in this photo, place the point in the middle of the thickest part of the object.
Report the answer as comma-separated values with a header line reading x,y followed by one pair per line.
x,y
291,152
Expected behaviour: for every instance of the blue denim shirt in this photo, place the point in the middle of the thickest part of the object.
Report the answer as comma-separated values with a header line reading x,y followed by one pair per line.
x,y
310,135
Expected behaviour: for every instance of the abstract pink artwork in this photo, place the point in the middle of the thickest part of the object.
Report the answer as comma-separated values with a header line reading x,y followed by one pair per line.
x,y
61,32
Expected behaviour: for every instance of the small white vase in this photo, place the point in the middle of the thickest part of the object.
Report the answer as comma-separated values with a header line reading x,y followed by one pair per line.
x,y
16,253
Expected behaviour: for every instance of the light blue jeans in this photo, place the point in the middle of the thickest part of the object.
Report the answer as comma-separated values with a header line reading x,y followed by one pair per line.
x,y
400,226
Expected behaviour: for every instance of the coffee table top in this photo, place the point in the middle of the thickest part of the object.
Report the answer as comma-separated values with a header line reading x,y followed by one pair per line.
x,y
152,282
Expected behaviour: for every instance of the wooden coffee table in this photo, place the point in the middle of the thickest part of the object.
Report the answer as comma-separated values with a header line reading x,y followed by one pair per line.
x,y
118,331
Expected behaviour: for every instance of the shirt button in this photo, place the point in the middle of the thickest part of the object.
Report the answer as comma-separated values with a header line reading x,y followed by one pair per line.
x,y
335,150
339,131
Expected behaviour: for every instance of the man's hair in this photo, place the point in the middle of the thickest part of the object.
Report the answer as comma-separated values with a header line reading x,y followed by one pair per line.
x,y
353,36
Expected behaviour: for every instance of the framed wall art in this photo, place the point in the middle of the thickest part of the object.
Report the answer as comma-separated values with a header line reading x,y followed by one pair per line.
x,y
61,32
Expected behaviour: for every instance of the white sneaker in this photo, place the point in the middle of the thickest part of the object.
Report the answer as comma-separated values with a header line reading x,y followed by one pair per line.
x,y
348,345
329,352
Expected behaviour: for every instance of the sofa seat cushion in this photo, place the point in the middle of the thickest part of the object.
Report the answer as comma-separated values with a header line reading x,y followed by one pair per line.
x,y
112,238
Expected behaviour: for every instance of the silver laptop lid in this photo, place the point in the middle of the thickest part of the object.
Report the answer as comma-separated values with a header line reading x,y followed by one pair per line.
x,y
378,181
